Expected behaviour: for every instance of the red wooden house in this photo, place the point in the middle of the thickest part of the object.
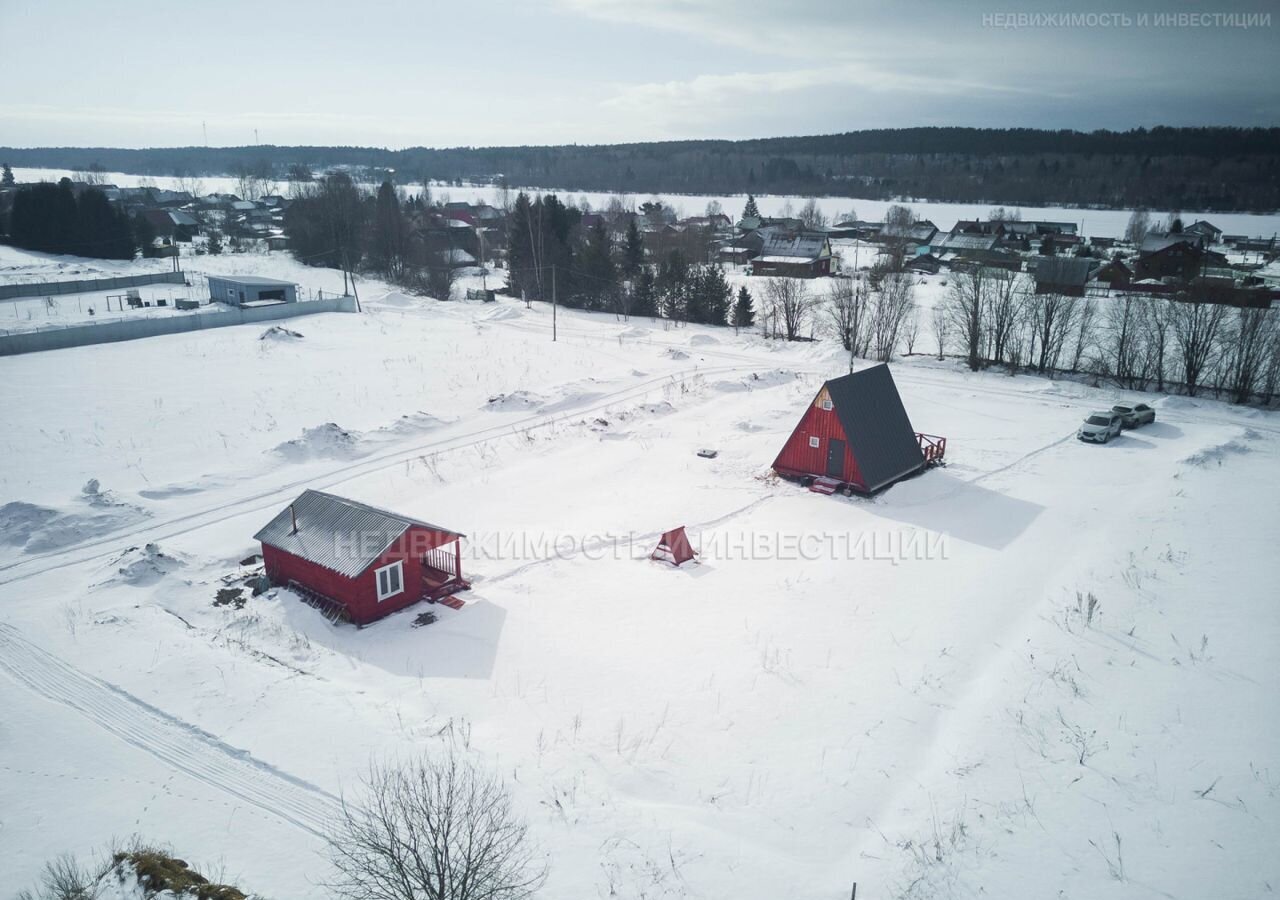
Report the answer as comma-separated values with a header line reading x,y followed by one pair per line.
x,y
358,563
855,436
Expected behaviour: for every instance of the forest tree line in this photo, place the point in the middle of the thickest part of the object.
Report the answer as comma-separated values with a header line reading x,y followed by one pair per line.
x,y
1217,168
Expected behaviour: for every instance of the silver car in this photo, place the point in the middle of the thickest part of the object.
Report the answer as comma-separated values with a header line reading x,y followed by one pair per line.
x,y
1134,415
1100,427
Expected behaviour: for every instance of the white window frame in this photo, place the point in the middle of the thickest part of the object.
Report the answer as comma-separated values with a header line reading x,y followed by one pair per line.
x,y
398,568
815,443
826,405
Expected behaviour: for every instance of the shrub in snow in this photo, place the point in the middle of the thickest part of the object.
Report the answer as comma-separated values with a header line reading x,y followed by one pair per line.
x,y
437,828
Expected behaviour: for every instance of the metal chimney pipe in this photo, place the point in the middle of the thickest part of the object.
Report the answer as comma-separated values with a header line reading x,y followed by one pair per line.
x,y
294,516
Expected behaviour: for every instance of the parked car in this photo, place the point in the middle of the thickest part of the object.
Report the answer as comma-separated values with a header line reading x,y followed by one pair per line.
x,y
1100,427
1135,415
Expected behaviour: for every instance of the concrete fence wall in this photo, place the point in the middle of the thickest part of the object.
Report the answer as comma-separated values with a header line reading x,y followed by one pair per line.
x,y
133,329
87,285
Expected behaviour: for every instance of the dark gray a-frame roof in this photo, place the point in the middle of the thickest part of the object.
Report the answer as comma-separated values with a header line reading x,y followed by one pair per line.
x,y
875,423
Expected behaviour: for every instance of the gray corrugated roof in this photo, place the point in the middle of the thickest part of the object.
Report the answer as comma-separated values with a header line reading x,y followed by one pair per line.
x,y
250,280
964,241
876,425
1065,270
801,246
339,534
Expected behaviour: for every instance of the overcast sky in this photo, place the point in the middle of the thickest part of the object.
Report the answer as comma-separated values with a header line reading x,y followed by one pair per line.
x,y
402,73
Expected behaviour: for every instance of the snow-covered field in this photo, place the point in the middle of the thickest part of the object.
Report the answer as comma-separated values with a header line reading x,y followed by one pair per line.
x,y
911,692
1092,222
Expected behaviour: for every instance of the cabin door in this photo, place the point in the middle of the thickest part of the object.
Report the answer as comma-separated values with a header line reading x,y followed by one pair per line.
x,y
835,458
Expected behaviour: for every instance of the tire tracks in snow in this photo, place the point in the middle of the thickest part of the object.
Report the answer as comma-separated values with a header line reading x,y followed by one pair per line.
x,y
154,531
175,743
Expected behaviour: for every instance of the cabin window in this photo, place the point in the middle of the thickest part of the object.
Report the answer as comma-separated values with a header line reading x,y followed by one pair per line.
x,y
826,404
390,580
813,442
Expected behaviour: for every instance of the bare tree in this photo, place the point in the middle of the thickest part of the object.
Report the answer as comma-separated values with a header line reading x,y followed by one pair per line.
x,y
848,313
1086,324
185,181
894,302
899,216
1250,337
1051,318
790,301
1271,371
1123,340
1006,292
435,829
1194,326
1156,328
966,309
63,878
941,321
811,216
911,329
1139,226
94,175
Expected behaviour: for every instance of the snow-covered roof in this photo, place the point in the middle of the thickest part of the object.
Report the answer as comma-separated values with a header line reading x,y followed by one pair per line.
x,y
788,248
340,534
961,241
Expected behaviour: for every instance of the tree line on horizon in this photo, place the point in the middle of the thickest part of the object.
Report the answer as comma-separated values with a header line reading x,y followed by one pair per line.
x,y
1219,168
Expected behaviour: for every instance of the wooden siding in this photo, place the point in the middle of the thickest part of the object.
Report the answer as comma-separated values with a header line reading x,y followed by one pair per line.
x,y
360,594
798,458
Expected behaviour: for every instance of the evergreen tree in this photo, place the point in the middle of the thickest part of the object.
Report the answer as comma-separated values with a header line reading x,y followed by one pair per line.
x,y
695,296
632,251
671,282
44,217
744,313
522,275
214,244
644,295
144,236
716,295
387,243
751,211
6,180
101,229
599,275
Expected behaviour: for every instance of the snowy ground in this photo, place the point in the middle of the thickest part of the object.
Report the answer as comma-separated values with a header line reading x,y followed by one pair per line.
x,y
1099,222
909,692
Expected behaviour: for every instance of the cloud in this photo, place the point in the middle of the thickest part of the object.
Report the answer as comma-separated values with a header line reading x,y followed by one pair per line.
x,y
797,28
676,106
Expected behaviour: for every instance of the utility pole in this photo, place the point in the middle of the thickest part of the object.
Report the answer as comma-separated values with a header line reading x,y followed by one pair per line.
x,y
554,304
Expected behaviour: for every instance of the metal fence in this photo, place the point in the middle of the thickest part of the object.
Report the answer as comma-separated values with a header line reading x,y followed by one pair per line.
x,y
88,285
135,328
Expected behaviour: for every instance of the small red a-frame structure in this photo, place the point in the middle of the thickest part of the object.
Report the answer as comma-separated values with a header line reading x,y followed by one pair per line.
x,y
674,547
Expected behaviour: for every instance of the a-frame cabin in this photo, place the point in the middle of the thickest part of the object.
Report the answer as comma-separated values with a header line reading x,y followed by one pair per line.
x,y
856,436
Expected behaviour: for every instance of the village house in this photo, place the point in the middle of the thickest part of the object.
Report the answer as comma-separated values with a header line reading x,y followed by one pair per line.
x,y
356,562
806,255
1067,275
1180,259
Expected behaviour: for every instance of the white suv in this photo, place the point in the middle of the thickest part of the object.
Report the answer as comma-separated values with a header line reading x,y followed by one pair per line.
x,y
1100,427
